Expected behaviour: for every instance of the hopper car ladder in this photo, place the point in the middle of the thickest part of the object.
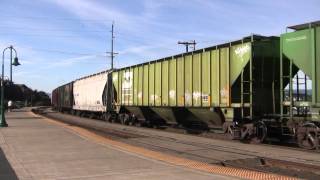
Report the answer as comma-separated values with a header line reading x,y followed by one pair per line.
x,y
244,83
291,100
286,100
246,105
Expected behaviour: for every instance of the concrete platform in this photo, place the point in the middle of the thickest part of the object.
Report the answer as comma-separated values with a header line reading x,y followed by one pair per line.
x,y
31,148
209,150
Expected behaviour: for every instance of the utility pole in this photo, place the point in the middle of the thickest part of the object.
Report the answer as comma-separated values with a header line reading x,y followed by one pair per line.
x,y
112,53
187,44
112,37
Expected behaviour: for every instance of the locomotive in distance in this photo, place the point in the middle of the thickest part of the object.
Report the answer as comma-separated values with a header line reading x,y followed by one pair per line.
x,y
252,88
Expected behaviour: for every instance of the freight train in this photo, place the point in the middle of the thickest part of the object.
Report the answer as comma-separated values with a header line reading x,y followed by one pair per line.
x,y
251,89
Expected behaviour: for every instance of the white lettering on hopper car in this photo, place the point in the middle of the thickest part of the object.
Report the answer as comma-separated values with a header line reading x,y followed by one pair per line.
x,y
297,38
241,51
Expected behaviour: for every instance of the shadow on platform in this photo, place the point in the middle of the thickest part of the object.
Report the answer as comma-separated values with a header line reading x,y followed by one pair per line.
x,y
20,110
6,171
27,117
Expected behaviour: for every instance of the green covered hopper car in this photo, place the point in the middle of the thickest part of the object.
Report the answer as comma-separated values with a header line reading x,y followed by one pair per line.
x,y
213,86
250,89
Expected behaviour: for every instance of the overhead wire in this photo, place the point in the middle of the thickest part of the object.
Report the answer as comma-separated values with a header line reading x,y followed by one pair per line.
x,y
141,41
122,36
38,31
55,18
47,30
66,52
41,32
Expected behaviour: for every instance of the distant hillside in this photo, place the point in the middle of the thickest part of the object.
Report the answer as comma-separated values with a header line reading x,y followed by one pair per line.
x,y
24,94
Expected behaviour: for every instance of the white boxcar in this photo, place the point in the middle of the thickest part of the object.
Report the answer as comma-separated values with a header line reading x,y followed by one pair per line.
x,y
88,92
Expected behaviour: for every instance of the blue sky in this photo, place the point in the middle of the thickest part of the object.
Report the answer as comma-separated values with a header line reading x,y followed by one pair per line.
x,y
61,40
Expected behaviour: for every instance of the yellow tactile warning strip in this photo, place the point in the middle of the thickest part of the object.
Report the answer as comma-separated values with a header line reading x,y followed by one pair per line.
x,y
205,167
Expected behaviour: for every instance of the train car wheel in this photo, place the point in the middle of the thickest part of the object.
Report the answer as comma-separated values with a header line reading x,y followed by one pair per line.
x,y
133,121
124,119
228,129
91,115
106,117
138,123
308,136
230,133
260,133
113,117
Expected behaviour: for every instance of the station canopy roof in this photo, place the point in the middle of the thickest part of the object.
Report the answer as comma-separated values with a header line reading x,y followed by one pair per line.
x,y
304,26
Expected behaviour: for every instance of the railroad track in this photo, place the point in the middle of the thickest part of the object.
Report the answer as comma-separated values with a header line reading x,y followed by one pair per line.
x,y
207,134
152,139
211,135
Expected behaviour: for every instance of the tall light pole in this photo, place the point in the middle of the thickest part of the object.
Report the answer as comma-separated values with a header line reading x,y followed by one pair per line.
x,y
3,122
15,62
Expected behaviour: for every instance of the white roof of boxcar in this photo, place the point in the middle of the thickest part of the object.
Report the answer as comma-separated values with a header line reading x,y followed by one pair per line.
x,y
95,74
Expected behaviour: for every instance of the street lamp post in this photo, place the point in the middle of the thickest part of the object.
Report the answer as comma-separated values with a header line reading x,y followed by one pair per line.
x,y
3,122
15,61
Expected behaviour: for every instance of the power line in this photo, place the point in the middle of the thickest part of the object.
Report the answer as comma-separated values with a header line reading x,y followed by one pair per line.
x,y
44,35
65,52
141,41
56,18
46,30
